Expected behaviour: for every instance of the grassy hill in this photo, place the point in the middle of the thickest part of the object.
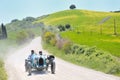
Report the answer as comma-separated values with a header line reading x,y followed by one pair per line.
x,y
82,19
85,30
87,24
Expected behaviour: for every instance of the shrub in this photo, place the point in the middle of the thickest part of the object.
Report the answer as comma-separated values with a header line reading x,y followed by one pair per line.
x,y
61,28
99,53
74,48
48,36
59,43
80,50
89,51
53,41
115,69
67,46
67,26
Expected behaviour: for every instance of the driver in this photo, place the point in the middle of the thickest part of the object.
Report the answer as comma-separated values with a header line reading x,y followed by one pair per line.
x,y
42,58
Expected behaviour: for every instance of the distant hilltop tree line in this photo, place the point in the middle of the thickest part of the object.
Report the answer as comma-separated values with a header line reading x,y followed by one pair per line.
x,y
29,19
25,23
3,32
118,11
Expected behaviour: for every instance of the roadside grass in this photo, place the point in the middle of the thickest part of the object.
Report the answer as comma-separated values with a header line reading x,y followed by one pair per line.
x,y
104,62
3,75
4,46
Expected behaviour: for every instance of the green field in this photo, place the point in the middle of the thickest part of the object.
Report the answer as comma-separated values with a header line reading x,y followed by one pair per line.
x,y
87,24
107,43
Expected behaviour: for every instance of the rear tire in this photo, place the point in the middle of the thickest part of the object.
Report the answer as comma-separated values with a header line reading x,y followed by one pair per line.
x,y
53,67
47,65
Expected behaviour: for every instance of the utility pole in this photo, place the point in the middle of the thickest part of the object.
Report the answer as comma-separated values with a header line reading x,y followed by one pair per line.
x,y
115,29
101,29
103,21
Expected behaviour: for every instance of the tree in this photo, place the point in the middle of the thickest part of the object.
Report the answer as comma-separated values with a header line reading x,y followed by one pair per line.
x,y
61,28
0,33
72,6
4,32
67,26
31,19
14,20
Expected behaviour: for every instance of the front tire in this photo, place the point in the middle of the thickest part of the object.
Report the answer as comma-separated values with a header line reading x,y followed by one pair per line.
x,y
26,65
29,68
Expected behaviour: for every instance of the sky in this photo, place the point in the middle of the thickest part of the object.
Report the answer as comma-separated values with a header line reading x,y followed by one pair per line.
x,y
19,9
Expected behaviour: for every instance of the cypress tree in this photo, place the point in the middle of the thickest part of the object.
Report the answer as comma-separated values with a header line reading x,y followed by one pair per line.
x,y
4,32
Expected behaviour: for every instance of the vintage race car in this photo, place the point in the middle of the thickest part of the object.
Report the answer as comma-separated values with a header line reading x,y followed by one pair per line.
x,y
40,64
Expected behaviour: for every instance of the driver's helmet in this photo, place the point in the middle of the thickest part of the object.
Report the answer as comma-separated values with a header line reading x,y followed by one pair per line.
x,y
40,52
32,51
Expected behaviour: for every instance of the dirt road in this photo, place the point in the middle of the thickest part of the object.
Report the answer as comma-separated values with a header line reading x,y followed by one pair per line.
x,y
14,65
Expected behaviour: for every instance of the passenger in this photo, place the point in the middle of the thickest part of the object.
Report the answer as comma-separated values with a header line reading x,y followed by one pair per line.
x,y
32,58
31,55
